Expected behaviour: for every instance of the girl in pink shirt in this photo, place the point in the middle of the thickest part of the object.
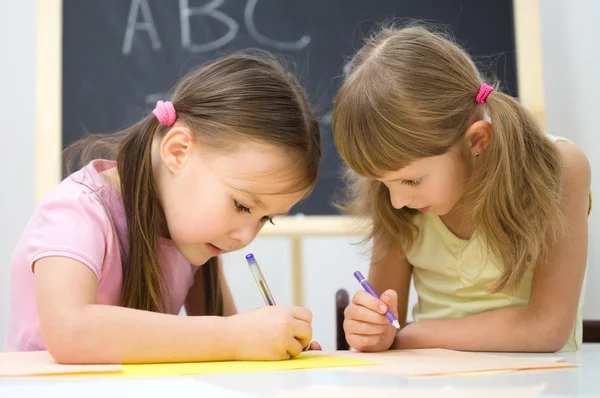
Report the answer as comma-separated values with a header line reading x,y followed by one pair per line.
x,y
112,254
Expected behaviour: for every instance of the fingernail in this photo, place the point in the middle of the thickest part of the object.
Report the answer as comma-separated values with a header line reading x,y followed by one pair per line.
x,y
382,308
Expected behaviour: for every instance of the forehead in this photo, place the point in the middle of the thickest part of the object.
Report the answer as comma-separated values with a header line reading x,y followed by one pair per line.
x,y
259,168
420,167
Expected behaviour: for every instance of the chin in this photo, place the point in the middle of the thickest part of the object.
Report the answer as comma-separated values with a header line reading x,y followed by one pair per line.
x,y
441,211
437,212
195,258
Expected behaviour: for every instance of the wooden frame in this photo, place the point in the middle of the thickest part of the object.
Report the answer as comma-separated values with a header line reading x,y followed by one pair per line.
x,y
48,99
48,133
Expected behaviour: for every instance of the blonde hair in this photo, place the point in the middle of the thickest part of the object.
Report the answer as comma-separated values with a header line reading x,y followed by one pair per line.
x,y
410,94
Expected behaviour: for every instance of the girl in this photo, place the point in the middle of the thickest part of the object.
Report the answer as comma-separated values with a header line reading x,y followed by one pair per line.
x,y
465,194
112,254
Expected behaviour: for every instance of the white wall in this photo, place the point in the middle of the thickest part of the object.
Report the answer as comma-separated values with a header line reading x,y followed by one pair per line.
x,y
17,112
571,59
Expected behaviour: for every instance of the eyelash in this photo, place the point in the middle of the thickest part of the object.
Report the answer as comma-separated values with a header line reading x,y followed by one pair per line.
x,y
240,208
413,183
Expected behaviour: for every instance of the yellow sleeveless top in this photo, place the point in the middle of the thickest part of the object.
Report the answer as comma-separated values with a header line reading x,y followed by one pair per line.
x,y
452,276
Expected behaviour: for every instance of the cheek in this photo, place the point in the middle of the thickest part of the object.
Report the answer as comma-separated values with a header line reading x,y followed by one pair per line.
x,y
446,189
195,213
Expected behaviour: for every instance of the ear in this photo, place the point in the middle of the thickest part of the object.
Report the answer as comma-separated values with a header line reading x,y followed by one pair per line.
x,y
176,148
478,137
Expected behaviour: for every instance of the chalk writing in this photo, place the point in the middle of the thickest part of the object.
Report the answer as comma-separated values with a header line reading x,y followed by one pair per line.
x,y
140,20
133,25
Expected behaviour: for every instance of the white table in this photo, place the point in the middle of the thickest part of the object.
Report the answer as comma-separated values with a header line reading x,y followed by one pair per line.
x,y
583,381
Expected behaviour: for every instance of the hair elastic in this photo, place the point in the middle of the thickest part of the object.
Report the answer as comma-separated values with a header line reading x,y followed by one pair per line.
x,y
484,91
165,113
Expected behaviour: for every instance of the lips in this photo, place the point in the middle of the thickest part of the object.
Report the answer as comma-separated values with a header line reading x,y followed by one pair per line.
x,y
424,209
212,249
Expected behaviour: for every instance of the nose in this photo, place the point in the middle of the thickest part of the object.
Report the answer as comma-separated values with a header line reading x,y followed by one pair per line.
x,y
398,198
243,236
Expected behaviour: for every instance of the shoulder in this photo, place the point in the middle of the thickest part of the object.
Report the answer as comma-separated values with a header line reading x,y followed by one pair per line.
x,y
576,177
577,173
71,214
71,197
84,193
69,222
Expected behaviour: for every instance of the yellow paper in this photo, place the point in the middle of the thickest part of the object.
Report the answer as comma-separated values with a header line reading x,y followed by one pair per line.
x,y
303,361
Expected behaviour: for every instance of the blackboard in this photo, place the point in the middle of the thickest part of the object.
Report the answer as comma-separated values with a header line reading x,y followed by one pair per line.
x,y
121,56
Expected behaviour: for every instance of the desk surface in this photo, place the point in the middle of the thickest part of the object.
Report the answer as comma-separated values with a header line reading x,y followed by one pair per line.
x,y
583,381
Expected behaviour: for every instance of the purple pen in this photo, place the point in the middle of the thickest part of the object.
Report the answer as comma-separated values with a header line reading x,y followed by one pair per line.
x,y
365,284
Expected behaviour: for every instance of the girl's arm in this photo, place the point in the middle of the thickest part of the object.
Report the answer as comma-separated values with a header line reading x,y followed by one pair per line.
x,y
76,329
194,303
545,324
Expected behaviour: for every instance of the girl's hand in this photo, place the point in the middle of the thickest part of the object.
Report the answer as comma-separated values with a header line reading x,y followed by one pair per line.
x,y
365,325
272,333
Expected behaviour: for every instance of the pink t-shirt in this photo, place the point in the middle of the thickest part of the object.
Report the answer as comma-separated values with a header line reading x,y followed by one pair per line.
x,y
84,219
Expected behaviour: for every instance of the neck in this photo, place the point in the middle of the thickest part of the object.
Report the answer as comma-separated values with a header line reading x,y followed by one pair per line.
x,y
459,221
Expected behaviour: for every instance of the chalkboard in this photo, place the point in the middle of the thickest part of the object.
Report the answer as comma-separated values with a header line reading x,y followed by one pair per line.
x,y
121,56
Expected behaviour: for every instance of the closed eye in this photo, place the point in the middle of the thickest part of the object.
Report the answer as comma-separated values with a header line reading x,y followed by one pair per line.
x,y
240,208
414,182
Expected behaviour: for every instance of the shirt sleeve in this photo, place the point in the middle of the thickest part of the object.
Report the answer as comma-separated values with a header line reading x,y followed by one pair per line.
x,y
75,227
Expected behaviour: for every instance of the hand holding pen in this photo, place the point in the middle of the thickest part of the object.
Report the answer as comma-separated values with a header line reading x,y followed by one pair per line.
x,y
370,322
270,302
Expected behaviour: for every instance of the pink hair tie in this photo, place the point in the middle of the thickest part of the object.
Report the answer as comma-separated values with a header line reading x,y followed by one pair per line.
x,y
484,91
165,113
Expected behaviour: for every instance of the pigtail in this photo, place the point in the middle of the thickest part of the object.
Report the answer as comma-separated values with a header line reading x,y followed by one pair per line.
x,y
516,190
143,284
213,298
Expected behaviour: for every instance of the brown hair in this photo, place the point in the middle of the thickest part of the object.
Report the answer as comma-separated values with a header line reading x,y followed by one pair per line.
x,y
410,94
242,96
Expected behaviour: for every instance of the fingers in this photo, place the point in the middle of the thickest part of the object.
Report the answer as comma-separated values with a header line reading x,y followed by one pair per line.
x,y
302,332
364,314
390,298
302,314
365,325
352,326
364,299
315,346
363,343
294,348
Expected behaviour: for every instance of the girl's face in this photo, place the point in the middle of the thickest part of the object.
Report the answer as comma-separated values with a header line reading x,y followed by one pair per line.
x,y
216,201
437,184
434,184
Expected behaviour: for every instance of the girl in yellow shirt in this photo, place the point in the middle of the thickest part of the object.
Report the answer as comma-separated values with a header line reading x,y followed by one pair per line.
x,y
466,195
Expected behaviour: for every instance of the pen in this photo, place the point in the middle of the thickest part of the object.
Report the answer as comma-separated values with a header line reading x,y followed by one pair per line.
x,y
262,284
365,284
260,280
